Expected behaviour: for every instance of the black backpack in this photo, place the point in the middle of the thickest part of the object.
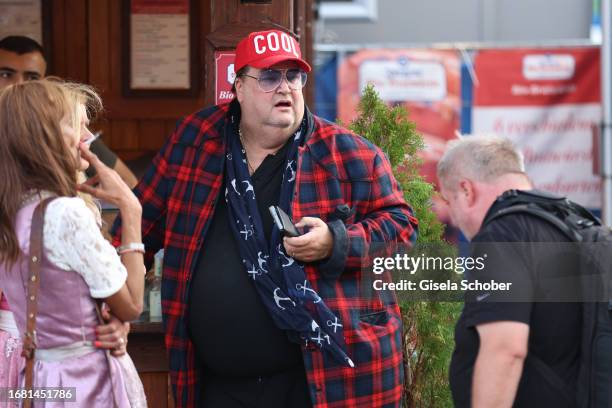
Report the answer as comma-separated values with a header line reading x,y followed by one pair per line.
x,y
594,387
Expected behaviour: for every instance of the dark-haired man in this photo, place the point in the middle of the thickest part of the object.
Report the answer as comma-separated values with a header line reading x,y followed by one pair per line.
x,y
21,59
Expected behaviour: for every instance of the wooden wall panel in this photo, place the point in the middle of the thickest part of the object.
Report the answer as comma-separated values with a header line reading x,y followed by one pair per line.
x,y
170,126
76,33
152,134
157,390
114,57
125,134
304,17
58,40
99,49
233,11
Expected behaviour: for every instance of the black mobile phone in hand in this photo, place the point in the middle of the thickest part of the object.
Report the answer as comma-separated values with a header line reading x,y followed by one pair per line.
x,y
283,222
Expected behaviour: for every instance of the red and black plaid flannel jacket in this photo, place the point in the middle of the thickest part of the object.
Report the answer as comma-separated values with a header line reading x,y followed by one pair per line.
x,y
335,169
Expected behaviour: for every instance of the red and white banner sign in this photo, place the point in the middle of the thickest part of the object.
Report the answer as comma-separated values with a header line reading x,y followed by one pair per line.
x,y
224,76
546,101
426,82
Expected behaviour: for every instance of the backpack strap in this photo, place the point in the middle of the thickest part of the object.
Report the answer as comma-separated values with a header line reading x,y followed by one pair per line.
x,y
542,214
565,215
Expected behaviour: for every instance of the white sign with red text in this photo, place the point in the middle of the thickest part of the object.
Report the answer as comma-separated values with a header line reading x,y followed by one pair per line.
x,y
546,101
224,76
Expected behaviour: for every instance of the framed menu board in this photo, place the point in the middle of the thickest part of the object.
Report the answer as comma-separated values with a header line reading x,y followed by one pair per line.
x,y
30,18
160,48
22,17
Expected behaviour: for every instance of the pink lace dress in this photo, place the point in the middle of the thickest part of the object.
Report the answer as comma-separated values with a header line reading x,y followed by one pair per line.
x,y
78,266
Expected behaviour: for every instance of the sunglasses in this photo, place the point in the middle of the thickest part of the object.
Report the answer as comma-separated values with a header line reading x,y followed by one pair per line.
x,y
270,79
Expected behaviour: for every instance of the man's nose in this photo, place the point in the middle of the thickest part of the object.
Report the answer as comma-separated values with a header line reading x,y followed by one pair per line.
x,y
284,85
18,78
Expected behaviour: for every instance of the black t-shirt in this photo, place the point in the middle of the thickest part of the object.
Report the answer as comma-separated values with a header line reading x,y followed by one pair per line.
x,y
551,367
232,331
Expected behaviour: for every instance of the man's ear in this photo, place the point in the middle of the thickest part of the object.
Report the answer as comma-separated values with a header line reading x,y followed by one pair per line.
x,y
238,89
467,190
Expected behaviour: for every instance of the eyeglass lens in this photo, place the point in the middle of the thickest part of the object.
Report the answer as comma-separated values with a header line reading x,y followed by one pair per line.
x,y
270,79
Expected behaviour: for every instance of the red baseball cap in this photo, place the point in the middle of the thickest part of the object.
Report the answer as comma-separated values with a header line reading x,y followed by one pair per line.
x,y
262,49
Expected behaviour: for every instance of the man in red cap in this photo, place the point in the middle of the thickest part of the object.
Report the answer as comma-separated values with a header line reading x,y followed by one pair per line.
x,y
256,316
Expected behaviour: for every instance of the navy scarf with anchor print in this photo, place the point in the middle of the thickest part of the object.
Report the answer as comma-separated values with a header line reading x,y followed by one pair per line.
x,y
279,279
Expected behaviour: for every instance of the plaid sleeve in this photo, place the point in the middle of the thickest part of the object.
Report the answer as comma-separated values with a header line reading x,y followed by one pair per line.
x,y
389,219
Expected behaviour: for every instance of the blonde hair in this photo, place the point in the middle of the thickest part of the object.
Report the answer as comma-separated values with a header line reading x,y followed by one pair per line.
x,y
85,95
34,155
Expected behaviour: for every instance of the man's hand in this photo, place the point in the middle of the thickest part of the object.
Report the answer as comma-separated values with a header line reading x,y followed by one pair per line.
x,y
499,364
315,245
112,335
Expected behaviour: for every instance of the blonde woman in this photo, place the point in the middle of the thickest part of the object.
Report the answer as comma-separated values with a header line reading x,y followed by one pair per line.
x,y
42,125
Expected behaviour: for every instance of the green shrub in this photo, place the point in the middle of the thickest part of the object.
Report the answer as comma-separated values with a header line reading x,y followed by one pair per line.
x,y
428,326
